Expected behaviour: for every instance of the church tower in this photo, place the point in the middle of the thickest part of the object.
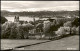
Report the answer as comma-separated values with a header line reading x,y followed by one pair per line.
x,y
16,19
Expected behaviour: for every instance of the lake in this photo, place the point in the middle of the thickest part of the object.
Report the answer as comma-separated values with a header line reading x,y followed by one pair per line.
x,y
22,18
25,18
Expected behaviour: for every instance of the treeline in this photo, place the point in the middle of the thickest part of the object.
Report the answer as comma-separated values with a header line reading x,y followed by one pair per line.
x,y
41,13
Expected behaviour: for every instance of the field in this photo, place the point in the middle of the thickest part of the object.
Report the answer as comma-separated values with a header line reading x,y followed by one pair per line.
x,y
68,43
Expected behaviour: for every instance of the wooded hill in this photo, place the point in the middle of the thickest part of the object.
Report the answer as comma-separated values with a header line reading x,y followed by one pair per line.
x,y
41,13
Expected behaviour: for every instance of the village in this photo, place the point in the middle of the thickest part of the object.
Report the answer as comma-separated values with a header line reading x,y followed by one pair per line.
x,y
39,25
40,30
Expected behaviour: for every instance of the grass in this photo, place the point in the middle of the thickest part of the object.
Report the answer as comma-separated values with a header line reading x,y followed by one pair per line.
x,y
71,41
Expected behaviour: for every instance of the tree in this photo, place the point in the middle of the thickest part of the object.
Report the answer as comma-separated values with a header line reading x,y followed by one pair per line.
x,y
68,24
3,20
76,22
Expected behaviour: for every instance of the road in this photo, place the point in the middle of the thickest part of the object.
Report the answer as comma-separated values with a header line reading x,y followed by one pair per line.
x,y
68,43
12,43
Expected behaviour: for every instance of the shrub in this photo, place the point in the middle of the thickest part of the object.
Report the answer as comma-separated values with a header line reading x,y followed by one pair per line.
x,y
73,30
63,31
60,31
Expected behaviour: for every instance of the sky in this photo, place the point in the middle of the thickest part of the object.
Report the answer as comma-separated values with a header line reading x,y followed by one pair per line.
x,y
39,5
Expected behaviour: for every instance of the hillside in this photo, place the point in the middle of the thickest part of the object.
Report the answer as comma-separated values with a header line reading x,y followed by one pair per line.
x,y
41,13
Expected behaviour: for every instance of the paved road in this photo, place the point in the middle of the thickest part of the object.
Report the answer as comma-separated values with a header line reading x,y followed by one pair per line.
x,y
68,43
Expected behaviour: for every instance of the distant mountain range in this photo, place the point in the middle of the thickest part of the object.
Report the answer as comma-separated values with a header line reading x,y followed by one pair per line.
x,y
41,13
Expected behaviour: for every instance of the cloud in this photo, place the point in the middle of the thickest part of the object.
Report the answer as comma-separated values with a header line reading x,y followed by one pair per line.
x,y
39,5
